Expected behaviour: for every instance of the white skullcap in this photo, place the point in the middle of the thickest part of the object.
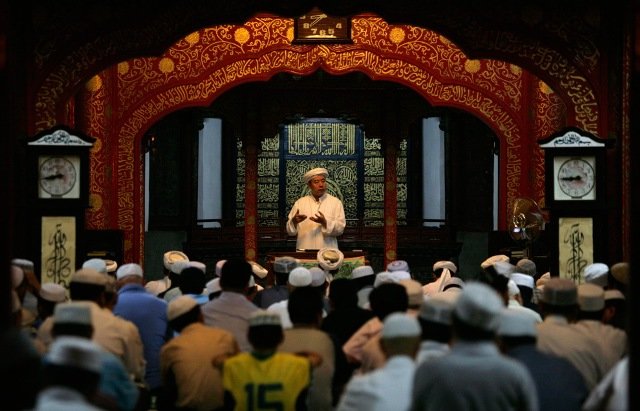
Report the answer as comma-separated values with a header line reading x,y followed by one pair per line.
x,y
171,257
480,306
596,273
504,268
314,172
590,297
526,266
524,280
74,312
213,286
178,266
414,291
199,265
158,286
179,306
543,279
263,317
515,323
513,288
219,265
53,292
452,284
300,277
559,291
330,258
23,263
438,307
258,270
613,295
621,272
16,305
384,277
400,275
398,265
75,352
318,276
129,269
89,276
362,271
17,276
285,264
400,325
97,264
493,259
112,266
445,265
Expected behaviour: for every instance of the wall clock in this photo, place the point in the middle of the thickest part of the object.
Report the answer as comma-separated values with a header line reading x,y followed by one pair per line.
x,y
59,176
575,178
318,27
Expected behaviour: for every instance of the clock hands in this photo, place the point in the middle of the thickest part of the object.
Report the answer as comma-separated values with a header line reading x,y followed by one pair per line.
x,y
316,18
53,176
572,178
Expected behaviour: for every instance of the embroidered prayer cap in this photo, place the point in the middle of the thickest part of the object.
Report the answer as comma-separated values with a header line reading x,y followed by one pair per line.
x,y
362,271
319,171
258,270
448,265
400,325
526,266
129,269
597,273
300,277
515,323
590,297
170,257
560,291
398,265
620,271
180,306
73,312
479,305
438,307
330,258
97,264
89,276
112,266
262,317
53,292
493,259
285,264
75,352
524,280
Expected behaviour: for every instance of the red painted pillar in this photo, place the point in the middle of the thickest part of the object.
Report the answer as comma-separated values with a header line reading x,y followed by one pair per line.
x,y
390,202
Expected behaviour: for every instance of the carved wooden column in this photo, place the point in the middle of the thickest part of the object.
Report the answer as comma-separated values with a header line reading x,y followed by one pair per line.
x,y
390,200
251,141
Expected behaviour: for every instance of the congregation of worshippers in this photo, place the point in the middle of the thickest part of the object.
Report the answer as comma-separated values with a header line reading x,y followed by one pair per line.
x,y
506,337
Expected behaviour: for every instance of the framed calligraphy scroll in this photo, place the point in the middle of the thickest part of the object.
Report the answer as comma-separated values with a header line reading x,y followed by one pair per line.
x,y
575,247
58,249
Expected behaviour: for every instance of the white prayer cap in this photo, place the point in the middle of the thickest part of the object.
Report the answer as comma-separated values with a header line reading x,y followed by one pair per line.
x,y
504,268
479,306
285,264
178,266
53,292
513,288
543,279
400,325
213,286
398,265
362,271
112,266
75,352
219,265
590,297
179,306
74,312
330,258
515,323
524,280
526,266
613,295
400,275
23,263
596,273
264,317
414,291
445,264
258,270
129,269
318,276
300,277
438,307
620,271
89,276
560,291
493,259
17,276
315,172
199,265
170,257
384,277
97,264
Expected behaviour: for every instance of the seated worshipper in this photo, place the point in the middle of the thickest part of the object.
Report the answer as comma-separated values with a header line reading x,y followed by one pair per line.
x,y
320,282
557,335
363,278
497,275
525,285
389,387
620,274
258,277
385,299
330,260
615,309
26,283
19,285
515,303
317,219
189,361
474,375
149,314
194,280
49,296
264,374
305,311
612,340
612,393
232,309
435,322
598,274
279,291
115,334
441,273
168,281
398,265
528,267
116,390
517,336
71,376
298,277
213,288
540,282
193,283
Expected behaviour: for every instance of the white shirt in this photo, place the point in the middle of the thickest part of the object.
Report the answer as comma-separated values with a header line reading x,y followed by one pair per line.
x,y
311,235
612,393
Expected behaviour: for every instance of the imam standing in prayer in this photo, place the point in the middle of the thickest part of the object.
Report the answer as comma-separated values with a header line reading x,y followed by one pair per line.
x,y
318,218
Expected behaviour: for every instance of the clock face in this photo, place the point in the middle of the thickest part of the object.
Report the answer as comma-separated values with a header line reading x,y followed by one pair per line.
x,y
58,177
317,26
575,178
